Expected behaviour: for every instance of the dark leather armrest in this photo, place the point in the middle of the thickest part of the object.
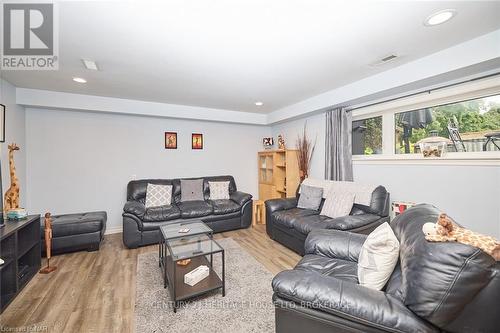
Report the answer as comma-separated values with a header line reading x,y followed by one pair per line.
x,y
350,222
240,198
335,244
348,300
135,208
274,205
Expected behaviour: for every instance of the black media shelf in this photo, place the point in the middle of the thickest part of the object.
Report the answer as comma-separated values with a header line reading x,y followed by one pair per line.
x,y
20,249
6,263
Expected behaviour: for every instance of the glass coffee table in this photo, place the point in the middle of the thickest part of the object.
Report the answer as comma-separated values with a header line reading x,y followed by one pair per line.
x,y
196,244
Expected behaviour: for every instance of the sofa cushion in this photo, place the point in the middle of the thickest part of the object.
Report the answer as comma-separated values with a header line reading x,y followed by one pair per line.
x,y
287,217
158,195
73,224
162,213
310,197
338,204
305,224
219,190
351,221
198,208
221,207
378,257
341,269
191,190
206,186
136,189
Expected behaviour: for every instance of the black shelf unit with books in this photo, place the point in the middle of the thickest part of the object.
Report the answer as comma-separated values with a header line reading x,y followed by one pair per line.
x,y
20,250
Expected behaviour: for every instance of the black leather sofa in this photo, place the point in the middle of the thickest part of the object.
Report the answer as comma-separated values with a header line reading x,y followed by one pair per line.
x,y
141,225
436,287
290,225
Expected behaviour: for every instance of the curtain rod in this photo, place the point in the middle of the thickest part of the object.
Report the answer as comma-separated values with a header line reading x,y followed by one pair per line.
x,y
425,91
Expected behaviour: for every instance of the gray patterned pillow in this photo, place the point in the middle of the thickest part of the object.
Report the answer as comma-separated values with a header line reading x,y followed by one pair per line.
x,y
191,189
158,195
338,204
219,190
310,197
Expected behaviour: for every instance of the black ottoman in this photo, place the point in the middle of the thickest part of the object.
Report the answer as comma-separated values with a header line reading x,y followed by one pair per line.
x,y
76,232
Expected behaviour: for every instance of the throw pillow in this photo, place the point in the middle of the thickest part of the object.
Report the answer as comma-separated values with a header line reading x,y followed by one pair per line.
x,y
191,189
378,257
310,197
219,190
158,195
338,204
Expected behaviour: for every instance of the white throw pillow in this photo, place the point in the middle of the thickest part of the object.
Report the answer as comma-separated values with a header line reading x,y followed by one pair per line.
x,y
378,257
219,190
338,204
158,195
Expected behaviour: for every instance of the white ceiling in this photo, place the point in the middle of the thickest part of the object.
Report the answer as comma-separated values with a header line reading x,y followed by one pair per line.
x,y
228,54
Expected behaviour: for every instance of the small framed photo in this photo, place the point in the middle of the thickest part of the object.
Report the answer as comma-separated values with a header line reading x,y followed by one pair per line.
x,y
197,141
170,140
2,123
268,142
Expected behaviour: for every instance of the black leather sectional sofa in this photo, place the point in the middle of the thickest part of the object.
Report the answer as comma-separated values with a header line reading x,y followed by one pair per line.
x,y
141,225
290,225
435,287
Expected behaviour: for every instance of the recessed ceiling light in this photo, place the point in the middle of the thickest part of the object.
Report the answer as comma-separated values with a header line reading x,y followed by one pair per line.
x,y
79,80
259,103
440,17
90,64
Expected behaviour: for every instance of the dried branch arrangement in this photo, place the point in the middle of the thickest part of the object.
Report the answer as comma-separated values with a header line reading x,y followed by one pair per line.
x,y
305,152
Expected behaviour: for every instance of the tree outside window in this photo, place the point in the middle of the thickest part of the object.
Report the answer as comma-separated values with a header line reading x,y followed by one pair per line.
x,y
475,119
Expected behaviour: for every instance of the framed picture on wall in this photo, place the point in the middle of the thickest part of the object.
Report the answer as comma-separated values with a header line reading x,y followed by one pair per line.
x,y
2,123
170,140
197,141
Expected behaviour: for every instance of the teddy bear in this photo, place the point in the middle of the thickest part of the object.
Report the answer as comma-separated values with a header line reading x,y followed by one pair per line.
x,y
444,230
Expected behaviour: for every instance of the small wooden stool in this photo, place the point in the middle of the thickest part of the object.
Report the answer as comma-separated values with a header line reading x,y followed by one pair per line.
x,y
259,212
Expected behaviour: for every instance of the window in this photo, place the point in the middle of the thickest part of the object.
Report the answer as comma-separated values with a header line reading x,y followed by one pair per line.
x,y
472,125
367,136
465,116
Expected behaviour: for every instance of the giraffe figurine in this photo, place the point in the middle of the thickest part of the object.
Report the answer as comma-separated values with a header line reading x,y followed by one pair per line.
x,y
11,200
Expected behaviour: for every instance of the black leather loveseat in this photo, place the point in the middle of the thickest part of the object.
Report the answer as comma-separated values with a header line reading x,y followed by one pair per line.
x,y
290,225
435,287
141,225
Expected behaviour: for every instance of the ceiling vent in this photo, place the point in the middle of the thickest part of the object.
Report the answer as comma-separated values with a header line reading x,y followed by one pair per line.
x,y
384,60
90,64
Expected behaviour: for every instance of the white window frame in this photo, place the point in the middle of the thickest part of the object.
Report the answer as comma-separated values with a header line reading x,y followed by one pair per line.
x,y
458,93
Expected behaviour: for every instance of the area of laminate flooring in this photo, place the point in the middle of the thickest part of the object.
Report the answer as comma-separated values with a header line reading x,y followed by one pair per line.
x,y
95,291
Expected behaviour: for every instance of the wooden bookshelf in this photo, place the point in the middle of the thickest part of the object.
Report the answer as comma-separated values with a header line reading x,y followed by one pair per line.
x,y
278,173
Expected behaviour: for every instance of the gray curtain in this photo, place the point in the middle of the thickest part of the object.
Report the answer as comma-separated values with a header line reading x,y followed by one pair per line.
x,y
338,157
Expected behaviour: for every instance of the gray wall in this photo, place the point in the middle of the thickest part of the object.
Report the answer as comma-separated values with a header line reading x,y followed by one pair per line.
x,y
14,132
81,161
470,194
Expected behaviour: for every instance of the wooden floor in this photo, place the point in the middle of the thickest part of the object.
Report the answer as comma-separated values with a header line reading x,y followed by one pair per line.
x,y
95,291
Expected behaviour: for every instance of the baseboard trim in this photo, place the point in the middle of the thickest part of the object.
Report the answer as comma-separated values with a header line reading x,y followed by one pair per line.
x,y
114,230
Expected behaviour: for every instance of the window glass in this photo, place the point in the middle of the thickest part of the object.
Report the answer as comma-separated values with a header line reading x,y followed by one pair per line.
x,y
367,136
472,125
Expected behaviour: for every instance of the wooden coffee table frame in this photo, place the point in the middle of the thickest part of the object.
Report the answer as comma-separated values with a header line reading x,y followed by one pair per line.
x,y
173,274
